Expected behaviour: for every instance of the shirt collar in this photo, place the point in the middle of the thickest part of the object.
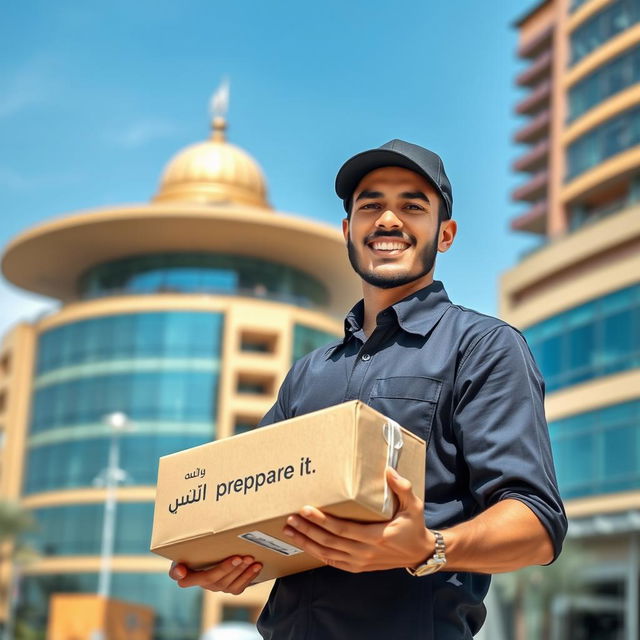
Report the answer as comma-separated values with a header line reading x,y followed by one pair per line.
x,y
418,313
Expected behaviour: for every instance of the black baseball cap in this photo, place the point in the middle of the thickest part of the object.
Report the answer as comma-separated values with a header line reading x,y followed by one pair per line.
x,y
396,153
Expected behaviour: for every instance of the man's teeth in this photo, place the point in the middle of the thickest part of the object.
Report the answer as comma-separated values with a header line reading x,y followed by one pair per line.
x,y
388,246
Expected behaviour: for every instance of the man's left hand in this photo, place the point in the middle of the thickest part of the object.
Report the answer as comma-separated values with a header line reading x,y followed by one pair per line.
x,y
403,541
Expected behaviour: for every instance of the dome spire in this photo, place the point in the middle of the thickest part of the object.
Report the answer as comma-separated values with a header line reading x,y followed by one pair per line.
x,y
218,107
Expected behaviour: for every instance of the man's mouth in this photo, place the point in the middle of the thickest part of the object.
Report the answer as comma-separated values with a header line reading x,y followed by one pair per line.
x,y
388,246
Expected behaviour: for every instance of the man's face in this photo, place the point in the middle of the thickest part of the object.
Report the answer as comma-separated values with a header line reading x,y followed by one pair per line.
x,y
392,234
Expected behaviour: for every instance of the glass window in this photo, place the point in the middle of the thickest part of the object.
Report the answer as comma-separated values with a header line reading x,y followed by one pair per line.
x,y
77,463
620,73
169,334
604,25
614,136
204,272
595,339
306,339
598,451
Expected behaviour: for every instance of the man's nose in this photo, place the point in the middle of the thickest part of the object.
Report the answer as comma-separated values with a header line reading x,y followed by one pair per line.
x,y
388,220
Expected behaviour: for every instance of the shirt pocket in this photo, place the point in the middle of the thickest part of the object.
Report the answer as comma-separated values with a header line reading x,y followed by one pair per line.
x,y
409,400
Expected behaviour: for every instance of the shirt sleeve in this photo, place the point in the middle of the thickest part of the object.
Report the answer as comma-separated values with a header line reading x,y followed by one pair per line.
x,y
501,427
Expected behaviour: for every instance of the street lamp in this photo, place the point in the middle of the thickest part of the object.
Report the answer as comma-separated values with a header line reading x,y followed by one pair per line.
x,y
110,478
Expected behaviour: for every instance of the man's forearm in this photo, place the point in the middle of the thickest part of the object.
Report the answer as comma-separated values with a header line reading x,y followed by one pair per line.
x,y
505,537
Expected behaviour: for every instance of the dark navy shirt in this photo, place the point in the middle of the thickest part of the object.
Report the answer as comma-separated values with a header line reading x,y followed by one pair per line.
x,y
468,385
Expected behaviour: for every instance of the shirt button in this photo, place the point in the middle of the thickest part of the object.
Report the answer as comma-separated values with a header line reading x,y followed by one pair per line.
x,y
366,356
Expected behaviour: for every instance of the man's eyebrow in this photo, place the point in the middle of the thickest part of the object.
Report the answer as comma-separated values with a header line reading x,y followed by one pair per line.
x,y
369,194
415,195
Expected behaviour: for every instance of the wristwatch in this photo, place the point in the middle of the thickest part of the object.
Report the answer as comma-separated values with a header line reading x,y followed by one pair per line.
x,y
435,562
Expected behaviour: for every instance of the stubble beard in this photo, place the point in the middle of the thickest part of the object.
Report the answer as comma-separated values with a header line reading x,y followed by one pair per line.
x,y
427,259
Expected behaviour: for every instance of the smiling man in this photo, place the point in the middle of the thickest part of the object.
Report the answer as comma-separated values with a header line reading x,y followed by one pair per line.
x,y
464,382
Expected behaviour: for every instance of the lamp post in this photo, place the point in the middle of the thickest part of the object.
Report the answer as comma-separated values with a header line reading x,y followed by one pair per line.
x,y
110,478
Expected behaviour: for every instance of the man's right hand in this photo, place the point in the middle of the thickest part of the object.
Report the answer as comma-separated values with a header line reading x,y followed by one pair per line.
x,y
232,575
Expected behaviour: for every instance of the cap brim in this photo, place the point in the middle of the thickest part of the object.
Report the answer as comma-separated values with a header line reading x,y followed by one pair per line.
x,y
354,169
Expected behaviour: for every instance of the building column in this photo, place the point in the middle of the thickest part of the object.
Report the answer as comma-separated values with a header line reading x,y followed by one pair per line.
x,y
631,618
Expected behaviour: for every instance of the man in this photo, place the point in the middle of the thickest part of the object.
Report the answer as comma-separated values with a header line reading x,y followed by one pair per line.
x,y
464,382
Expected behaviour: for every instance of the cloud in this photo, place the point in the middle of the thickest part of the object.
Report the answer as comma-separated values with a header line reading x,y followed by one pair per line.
x,y
17,181
143,132
29,85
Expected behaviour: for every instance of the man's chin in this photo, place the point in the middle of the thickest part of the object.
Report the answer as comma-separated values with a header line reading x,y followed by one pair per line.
x,y
388,280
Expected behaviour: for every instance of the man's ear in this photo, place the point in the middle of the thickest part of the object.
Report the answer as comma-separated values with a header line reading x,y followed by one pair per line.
x,y
345,229
448,230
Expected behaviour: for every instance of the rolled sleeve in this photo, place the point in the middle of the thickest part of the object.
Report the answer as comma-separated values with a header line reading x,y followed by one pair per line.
x,y
501,427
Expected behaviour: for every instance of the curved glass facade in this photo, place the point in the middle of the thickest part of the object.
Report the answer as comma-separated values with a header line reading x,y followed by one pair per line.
x,y
76,529
598,451
161,369
594,339
613,136
177,611
620,73
604,25
204,273
306,339
76,463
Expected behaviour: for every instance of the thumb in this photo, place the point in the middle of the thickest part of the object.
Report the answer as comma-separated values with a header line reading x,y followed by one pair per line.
x,y
401,487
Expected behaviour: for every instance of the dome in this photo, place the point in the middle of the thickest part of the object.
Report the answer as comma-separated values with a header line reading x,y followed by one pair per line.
x,y
214,172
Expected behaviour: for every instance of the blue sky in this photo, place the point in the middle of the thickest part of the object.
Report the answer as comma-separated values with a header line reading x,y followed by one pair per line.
x,y
96,97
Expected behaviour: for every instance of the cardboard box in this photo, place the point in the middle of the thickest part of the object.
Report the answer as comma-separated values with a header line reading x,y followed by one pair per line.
x,y
232,496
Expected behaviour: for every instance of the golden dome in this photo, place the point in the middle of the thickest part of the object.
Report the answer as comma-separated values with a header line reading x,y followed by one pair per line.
x,y
214,172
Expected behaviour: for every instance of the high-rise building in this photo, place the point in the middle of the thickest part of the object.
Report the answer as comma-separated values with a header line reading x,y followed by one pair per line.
x,y
183,314
576,296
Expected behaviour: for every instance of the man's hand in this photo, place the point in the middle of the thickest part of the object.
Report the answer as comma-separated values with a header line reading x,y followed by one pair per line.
x,y
232,575
403,541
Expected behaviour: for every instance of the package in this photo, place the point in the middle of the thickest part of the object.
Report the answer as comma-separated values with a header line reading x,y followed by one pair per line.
x,y
233,496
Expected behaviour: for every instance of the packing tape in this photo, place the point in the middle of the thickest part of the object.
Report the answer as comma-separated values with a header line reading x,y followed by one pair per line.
x,y
393,437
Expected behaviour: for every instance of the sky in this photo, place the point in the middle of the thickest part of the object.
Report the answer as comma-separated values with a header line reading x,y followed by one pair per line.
x,y
95,98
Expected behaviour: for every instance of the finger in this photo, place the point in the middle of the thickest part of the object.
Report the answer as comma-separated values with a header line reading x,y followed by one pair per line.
x,y
177,571
245,579
314,547
401,487
214,575
343,529
223,583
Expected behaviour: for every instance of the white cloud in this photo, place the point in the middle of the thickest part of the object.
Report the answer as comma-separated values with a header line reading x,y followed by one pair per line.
x,y
29,85
142,132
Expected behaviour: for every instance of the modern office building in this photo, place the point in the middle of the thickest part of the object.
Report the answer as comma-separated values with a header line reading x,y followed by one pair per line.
x,y
577,295
184,314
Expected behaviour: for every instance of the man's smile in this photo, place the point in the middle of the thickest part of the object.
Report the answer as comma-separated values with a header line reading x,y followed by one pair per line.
x,y
388,246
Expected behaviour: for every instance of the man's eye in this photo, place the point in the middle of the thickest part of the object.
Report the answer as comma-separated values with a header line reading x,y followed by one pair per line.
x,y
414,207
370,205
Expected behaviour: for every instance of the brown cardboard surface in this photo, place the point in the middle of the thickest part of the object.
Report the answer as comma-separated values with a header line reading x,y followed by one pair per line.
x,y
333,459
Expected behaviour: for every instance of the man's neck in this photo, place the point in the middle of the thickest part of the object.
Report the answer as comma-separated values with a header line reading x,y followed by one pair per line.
x,y
377,299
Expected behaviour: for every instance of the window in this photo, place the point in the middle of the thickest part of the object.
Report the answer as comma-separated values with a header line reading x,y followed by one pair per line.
x,y
243,424
613,136
204,273
620,73
252,383
306,339
604,25
253,342
595,339
598,451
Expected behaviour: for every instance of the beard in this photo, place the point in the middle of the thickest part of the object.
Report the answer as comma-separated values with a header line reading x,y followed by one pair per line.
x,y
426,260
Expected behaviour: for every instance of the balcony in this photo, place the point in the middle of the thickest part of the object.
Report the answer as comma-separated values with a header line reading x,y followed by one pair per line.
x,y
540,68
534,220
534,160
533,190
535,130
536,45
537,99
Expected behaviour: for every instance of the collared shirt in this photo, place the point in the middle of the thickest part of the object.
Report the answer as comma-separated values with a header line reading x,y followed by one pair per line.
x,y
468,385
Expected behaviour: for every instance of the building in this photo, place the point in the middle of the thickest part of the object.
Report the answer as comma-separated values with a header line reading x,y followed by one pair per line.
x,y
184,314
577,295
